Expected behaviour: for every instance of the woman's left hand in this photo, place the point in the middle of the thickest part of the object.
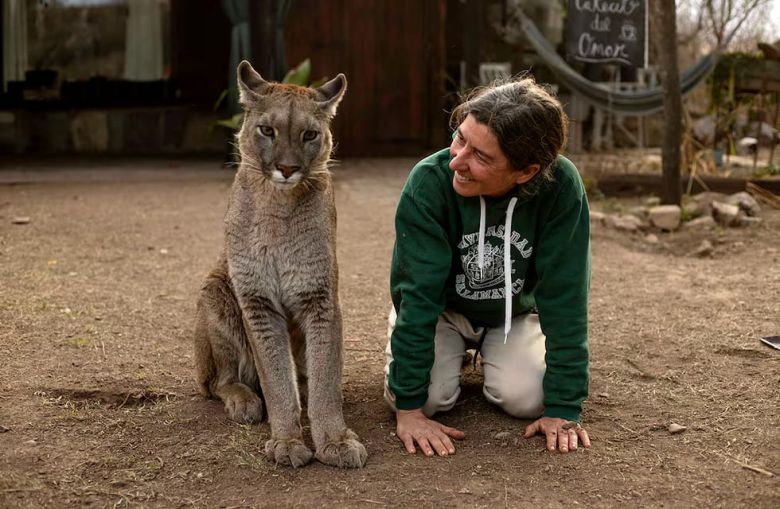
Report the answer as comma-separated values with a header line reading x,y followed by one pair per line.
x,y
561,434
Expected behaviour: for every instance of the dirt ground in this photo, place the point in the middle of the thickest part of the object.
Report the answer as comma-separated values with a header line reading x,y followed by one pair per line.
x,y
98,407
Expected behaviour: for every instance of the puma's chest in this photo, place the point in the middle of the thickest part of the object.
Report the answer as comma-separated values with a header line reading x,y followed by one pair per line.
x,y
298,238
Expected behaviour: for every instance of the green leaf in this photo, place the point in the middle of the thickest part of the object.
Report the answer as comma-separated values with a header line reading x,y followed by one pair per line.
x,y
220,99
319,82
299,75
233,122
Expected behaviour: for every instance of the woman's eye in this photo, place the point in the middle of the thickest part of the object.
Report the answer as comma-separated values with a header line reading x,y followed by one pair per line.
x,y
310,135
266,130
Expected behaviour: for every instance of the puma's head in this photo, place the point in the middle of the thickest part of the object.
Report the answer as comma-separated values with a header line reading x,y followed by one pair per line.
x,y
286,131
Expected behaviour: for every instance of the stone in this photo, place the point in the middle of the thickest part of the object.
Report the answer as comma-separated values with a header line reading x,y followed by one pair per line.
x,y
724,213
623,222
652,201
700,223
651,238
675,428
748,220
701,204
665,217
694,209
745,202
639,211
502,435
708,197
20,220
704,249
596,216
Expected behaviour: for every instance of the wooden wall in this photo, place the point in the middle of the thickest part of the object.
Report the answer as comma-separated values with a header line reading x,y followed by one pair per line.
x,y
392,52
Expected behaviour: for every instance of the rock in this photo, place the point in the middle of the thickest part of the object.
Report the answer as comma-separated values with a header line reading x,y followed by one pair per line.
x,y
651,238
694,209
665,217
675,428
725,213
704,249
704,222
745,202
640,212
596,216
604,395
708,197
652,201
502,435
701,204
748,221
20,220
624,222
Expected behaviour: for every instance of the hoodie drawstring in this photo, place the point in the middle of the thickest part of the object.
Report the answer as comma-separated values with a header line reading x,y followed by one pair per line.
x,y
481,245
508,267
507,258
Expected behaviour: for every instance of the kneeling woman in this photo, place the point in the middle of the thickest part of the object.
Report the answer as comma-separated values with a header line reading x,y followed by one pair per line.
x,y
492,252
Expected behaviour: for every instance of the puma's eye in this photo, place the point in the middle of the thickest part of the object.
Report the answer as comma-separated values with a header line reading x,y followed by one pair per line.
x,y
266,130
310,135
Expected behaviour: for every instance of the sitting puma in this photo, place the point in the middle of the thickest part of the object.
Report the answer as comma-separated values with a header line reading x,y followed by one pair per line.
x,y
268,314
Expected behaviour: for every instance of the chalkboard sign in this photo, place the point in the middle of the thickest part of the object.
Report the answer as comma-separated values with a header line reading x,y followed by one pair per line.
x,y
607,31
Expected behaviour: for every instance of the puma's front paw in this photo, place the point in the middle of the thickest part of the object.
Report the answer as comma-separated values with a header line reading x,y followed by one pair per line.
x,y
347,452
291,452
244,408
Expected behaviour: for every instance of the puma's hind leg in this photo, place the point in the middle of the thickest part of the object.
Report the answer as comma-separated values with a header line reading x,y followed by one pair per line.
x,y
225,366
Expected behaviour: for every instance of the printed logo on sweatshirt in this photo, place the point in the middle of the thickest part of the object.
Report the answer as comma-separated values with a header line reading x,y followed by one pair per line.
x,y
488,283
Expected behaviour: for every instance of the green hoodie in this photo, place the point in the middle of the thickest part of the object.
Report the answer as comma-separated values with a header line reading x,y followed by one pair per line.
x,y
435,267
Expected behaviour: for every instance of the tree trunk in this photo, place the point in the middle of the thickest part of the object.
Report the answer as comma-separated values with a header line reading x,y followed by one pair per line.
x,y
670,79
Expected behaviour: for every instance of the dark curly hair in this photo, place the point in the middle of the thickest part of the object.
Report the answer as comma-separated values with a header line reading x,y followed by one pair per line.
x,y
528,122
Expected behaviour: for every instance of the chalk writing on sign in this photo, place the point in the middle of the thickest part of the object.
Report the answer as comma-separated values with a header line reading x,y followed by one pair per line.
x,y
607,31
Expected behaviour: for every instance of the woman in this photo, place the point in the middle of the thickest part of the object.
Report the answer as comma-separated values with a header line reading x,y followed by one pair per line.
x,y
502,173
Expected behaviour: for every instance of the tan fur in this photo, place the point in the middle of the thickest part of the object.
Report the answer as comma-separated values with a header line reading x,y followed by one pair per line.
x,y
268,315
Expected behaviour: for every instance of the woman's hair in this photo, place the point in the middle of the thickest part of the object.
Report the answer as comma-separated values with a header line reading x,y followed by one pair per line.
x,y
528,121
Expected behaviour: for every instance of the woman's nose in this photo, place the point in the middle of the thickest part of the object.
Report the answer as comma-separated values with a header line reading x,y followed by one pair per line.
x,y
456,163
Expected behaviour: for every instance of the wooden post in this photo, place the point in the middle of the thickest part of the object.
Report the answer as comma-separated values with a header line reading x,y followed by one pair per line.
x,y
774,126
670,152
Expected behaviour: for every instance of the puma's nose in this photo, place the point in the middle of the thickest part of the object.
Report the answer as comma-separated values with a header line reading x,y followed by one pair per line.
x,y
287,171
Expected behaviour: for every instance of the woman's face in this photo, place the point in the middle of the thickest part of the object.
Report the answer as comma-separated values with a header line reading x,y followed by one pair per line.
x,y
480,166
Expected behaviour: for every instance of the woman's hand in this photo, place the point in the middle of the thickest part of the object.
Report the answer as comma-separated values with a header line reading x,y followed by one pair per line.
x,y
561,434
432,437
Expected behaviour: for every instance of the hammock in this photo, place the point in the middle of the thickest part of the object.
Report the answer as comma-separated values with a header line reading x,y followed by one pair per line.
x,y
644,102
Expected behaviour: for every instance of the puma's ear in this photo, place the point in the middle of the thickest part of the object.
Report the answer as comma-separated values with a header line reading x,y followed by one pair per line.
x,y
332,92
250,84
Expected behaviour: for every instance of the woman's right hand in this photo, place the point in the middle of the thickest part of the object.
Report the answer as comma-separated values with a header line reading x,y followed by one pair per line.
x,y
432,437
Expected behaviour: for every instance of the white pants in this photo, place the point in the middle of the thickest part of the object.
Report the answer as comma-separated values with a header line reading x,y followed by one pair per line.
x,y
513,371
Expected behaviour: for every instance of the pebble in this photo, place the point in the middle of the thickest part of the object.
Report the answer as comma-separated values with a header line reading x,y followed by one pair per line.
x,y
675,428
502,435
20,220
704,249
